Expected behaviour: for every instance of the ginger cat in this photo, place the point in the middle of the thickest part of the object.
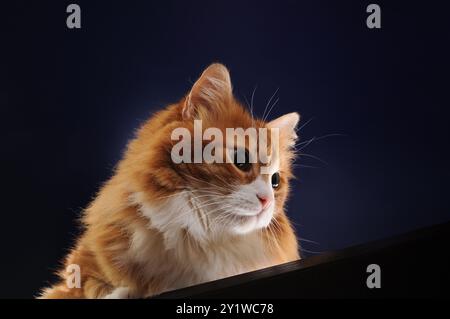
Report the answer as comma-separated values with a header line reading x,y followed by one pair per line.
x,y
157,226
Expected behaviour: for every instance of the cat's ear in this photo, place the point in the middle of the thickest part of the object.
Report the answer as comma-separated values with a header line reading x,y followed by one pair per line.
x,y
287,125
211,90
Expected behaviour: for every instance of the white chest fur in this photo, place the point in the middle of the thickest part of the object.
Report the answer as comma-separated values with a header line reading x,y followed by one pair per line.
x,y
174,249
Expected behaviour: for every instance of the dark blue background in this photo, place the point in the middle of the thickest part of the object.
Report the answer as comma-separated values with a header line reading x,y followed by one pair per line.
x,y
70,100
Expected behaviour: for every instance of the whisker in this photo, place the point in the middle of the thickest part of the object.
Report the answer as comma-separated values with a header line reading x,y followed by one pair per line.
x,y
251,105
268,103
209,183
307,142
304,124
304,166
270,109
308,241
314,157
311,251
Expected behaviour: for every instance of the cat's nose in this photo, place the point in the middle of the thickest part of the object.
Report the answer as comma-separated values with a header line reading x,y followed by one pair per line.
x,y
264,200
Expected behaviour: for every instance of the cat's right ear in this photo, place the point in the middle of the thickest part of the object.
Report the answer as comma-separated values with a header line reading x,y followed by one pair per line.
x,y
213,89
287,125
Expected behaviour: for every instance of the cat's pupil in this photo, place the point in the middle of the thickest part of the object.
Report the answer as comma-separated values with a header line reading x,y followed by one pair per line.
x,y
276,180
242,165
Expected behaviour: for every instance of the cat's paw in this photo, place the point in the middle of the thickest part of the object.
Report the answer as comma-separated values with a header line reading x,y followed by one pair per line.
x,y
119,293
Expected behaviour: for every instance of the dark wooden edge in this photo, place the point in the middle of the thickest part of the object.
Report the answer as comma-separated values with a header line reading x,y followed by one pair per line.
x,y
325,258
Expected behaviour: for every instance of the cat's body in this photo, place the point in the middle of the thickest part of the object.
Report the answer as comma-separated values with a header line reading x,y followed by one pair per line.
x,y
157,226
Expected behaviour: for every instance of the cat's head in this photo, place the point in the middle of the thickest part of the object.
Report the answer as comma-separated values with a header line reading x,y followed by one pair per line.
x,y
240,194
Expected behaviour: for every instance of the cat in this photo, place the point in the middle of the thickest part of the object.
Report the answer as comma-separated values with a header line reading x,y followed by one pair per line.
x,y
157,226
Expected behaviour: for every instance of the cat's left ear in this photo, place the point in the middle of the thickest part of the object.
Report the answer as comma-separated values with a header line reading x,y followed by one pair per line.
x,y
287,125
211,90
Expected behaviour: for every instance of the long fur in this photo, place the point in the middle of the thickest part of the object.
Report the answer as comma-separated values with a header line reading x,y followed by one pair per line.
x,y
148,230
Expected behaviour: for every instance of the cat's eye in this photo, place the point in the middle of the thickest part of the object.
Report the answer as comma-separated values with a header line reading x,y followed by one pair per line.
x,y
276,180
242,163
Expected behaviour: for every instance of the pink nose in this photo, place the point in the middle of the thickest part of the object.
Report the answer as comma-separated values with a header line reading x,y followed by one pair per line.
x,y
264,200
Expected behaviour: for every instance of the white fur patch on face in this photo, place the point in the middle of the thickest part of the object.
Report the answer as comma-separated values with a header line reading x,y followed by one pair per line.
x,y
250,213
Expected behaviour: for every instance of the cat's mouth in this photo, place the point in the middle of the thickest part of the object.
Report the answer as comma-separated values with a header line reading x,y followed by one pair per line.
x,y
252,214
245,223
261,214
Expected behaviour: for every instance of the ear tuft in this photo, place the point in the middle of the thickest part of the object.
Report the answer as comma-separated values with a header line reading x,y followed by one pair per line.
x,y
213,88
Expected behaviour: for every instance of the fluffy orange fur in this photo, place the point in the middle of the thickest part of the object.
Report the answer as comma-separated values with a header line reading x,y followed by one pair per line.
x,y
125,253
